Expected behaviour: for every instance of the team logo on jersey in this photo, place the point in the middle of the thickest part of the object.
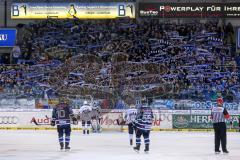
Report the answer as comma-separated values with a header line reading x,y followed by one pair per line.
x,y
8,120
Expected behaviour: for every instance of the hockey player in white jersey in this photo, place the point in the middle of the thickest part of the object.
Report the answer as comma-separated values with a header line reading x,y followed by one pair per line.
x,y
96,116
130,117
85,116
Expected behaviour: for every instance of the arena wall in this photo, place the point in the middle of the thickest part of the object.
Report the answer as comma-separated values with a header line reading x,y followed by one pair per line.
x,y
164,120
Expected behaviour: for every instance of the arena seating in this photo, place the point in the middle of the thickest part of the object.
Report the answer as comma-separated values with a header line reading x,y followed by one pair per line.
x,y
124,57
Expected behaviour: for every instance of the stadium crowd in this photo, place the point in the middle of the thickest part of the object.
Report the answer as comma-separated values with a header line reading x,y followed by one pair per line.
x,y
122,57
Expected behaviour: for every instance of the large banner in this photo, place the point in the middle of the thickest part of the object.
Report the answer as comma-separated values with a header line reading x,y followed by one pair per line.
x,y
7,37
205,105
22,103
194,105
199,121
60,10
42,118
163,119
189,10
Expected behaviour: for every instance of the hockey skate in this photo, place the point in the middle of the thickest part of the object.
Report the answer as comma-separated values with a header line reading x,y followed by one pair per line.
x,y
67,147
225,152
61,145
137,148
217,152
146,150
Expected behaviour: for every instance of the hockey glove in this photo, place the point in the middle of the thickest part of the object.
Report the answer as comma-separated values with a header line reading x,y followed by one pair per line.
x,y
74,120
52,122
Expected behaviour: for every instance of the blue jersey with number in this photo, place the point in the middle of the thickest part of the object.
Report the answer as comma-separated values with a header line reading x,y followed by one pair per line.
x,y
61,114
144,118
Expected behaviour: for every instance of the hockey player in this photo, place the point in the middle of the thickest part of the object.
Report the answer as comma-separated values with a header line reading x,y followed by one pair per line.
x,y
143,125
130,117
62,115
96,117
218,115
86,116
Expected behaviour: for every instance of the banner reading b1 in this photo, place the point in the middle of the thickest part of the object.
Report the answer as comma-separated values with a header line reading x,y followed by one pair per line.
x,y
63,10
7,37
189,10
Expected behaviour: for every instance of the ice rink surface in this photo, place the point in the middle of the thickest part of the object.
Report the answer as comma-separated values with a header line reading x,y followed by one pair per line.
x,y
43,145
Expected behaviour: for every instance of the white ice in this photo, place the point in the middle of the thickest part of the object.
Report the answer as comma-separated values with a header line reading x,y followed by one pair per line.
x,y
43,145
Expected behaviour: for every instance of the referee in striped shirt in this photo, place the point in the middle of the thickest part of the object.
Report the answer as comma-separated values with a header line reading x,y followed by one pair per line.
x,y
218,115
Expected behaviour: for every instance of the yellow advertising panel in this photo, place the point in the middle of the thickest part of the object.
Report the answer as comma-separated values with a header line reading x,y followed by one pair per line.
x,y
63,10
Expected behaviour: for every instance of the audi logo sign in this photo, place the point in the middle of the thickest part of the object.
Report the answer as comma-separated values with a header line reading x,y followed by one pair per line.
x,y
8,120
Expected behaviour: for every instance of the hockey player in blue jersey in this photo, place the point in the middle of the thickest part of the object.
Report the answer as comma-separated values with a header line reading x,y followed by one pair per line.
x,y
143,125
62,115
129,118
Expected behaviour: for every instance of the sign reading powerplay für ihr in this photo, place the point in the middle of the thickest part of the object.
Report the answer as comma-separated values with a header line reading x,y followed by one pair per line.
x,y
189,10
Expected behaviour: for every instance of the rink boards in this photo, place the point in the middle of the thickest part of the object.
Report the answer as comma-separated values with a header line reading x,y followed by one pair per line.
x,y
164,120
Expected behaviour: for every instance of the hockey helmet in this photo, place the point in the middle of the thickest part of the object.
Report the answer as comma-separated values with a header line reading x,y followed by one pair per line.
x,y
61,100
132,106
220,101
85,103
